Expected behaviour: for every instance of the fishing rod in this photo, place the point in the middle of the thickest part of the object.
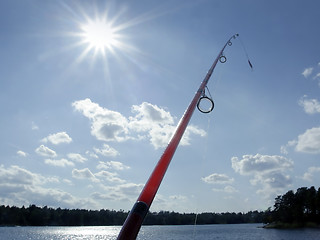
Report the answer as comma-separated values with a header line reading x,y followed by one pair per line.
x,y
132,225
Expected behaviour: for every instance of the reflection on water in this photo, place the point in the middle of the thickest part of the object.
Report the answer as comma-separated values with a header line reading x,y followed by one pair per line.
x,y
61,233
85,232
199,232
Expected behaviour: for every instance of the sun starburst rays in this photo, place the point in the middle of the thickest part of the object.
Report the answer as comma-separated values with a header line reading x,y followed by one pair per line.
x,y
102,36
99,36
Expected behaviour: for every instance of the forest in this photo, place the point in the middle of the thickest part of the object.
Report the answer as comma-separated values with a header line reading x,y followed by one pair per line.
x,y
44,216
293,209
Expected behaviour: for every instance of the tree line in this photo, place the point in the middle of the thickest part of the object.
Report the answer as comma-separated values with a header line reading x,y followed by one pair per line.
x,y
296,209
293,209
45,216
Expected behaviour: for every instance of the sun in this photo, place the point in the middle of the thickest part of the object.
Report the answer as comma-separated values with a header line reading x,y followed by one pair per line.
x,y
103,32
103,35
100,36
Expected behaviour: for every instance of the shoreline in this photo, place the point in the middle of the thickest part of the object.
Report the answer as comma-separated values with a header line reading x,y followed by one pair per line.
x,y
282,225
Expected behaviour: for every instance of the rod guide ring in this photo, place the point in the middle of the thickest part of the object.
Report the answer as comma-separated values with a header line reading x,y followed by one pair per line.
x,y
222,59
205,98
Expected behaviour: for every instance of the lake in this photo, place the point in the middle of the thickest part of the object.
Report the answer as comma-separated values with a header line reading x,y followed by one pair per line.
x,y
189,232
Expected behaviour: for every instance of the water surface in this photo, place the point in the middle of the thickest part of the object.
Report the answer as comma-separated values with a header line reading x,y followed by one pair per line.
x,y
189,232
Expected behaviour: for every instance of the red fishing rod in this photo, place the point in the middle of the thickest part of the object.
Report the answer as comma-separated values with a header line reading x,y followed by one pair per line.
x,y
132,225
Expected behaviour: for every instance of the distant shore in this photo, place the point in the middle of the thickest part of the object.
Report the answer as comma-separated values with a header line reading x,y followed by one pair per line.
x,y
282,225
46,216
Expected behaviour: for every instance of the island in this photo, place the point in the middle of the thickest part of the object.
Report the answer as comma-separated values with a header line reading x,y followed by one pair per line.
x,y
295,209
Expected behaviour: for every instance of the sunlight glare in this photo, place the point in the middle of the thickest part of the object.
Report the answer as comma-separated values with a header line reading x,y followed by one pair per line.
x,y
99,35
104,35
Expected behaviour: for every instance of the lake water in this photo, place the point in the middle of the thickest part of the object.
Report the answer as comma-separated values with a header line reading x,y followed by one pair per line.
x,y
199,232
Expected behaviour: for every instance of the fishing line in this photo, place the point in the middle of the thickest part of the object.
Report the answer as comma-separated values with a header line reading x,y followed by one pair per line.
x,y
204,165
206,104
218,76
245,51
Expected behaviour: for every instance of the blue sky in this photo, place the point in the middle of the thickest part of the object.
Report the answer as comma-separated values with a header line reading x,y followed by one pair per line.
x,y
85,117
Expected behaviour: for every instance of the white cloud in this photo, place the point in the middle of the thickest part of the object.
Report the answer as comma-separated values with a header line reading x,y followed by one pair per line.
x,y
317,76
308,176
109,176
311,106
309,142
176,202
53,179
154,121
112,165
159,125
129,189
160,136
76,157
226,189
307,72
217,178
191,129
59,163
45,151
149,121
272,184
42,196
57,138
230,189
121,192
269,172
273,180
92,154
284,149
147,113
19,186
178,197
19,176
84,174
106,151
106,196
106,125
21,153
34,126
67,181
250,164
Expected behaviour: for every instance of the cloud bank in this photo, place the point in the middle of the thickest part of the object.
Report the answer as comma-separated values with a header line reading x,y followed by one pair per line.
x,y
268,172
19,186
148,121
